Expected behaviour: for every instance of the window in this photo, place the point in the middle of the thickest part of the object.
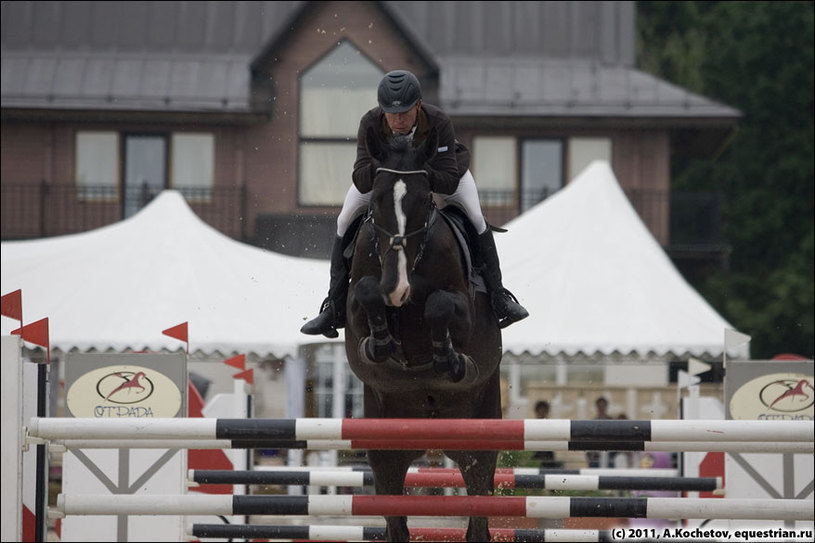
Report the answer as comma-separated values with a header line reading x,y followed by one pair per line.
x,y
334,94
495,165
495,170
97,165
145,170
583,151
193,165
132,168
542,167
541,170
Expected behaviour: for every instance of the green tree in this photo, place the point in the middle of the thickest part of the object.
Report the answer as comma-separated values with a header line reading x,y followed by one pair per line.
x,y
757,57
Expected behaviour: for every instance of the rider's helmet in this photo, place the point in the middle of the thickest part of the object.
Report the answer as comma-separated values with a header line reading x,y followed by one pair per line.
x,y
398,91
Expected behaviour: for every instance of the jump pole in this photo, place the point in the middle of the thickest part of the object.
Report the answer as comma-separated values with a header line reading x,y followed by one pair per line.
x,y
549,507
617,472
437,480
326,445
377,533
506,430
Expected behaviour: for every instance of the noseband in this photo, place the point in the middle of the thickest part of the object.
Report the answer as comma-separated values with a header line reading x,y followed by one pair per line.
x,y
397,242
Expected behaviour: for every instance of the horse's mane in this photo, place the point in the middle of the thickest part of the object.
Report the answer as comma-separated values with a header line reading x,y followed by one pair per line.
x,y
402,151
400,143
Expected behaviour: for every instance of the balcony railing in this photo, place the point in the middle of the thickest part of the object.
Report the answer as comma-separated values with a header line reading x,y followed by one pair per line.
x,y
688,222
683,222
36,211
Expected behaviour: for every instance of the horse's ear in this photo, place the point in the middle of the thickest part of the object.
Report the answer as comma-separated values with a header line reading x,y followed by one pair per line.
x,y
375,144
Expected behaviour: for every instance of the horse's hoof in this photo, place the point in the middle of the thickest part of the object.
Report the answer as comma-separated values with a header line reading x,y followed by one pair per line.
x,y
364,350
458,368
463,369
368,351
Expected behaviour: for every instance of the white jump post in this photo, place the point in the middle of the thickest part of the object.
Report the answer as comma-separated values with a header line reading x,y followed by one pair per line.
x,y
25,466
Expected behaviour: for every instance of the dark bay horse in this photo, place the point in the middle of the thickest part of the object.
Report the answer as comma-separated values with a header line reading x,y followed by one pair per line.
x,y
423,344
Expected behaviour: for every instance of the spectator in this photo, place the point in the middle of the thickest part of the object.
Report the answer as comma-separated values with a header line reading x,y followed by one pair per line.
x,y
601,404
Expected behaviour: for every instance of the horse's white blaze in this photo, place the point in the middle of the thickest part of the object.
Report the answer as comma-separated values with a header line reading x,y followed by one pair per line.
x,y
402,290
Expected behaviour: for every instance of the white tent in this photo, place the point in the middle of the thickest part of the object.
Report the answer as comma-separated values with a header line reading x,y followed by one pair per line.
x,y
595,281
583,263
118,287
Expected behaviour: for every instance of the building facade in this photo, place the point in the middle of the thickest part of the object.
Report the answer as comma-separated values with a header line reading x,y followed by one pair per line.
x,y
250,109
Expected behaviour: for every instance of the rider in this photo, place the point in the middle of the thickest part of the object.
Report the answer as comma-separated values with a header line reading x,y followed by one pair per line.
x,y
402,111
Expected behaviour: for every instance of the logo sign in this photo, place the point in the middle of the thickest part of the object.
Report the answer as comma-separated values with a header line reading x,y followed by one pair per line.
x,y
123,391
778,396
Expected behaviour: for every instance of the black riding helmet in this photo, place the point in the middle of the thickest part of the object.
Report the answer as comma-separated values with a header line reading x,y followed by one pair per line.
x,y
398,91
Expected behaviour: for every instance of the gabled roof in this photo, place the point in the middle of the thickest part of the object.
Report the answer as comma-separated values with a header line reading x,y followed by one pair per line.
x,y
295,17
524,86
492,59
125,81
151,56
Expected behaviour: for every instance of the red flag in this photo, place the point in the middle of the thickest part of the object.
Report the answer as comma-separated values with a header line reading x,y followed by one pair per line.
x,y
247,376
712,465
36,332
11,305
238,362
177,332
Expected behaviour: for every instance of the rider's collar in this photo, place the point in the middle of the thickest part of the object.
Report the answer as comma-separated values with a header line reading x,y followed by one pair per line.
x,y
409,135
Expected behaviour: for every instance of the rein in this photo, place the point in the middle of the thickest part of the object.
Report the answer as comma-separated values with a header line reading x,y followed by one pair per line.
x,y
402,172
397,242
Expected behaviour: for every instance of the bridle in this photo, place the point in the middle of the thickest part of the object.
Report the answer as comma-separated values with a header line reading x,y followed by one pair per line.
x,y
398,242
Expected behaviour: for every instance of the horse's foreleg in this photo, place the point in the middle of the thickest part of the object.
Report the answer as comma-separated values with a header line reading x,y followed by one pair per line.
x,y
443,308
380,344
478,471
390,468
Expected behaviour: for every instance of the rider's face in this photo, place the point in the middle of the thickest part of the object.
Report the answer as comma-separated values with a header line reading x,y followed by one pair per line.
x,y
402,123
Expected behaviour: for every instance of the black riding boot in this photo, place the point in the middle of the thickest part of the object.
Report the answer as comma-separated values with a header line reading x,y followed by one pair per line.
x,y
332,310
505,305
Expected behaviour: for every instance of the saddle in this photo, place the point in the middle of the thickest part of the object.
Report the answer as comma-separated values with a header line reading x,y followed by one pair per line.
x,y
468,246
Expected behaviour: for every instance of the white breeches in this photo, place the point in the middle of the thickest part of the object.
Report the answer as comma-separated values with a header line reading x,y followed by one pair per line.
x,y
465,196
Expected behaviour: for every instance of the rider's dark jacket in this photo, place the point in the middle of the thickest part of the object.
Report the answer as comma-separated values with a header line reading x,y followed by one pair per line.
x,y
444,170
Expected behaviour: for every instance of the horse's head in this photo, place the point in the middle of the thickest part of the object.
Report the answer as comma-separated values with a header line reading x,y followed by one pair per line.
x,y
401,207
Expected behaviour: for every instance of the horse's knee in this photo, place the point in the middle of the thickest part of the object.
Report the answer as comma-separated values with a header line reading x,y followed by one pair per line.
x,y
368,293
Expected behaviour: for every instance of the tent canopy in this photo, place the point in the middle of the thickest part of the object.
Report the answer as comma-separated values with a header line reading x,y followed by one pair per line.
x,y
595,281
118,287
582,262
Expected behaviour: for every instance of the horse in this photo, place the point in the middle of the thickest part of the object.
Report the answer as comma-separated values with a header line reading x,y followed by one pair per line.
x,y
424,343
